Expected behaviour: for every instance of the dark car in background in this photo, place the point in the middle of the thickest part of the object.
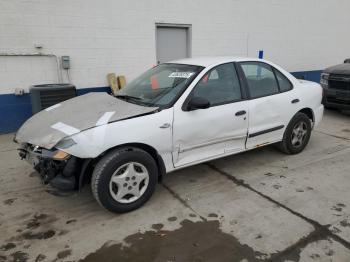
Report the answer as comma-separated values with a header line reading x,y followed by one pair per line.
x,y
335,81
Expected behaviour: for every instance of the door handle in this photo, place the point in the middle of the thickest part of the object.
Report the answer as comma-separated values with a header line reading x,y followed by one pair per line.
x,y
294,101
165,125
241,113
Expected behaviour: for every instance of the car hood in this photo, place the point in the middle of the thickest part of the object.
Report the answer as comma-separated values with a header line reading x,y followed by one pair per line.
x,y
48,127
342,69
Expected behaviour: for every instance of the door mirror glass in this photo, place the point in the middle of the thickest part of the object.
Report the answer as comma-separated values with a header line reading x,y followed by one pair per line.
x,y
197,103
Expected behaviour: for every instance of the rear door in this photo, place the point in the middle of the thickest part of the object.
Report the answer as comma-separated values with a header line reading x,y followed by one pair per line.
x,y
220,129
270,107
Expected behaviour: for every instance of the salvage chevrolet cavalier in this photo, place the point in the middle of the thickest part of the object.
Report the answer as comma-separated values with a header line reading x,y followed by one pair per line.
x,y
175,115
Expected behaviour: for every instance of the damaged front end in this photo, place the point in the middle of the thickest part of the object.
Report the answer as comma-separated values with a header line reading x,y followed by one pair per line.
x,y
55,167
52,128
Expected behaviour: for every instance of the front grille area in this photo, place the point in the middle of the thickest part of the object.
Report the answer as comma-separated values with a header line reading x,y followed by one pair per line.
x,y
337,101
339,82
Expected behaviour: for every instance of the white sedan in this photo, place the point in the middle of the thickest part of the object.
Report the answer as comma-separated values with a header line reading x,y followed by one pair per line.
x,y
175,115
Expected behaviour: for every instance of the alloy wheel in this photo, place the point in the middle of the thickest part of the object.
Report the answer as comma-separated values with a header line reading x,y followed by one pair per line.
x,y
129,182
299,133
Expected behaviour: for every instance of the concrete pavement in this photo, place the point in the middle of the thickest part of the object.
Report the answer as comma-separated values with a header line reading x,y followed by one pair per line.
x,y
256,206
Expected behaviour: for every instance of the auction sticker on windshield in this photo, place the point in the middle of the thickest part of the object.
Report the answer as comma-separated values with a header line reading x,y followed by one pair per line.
x,y
181,74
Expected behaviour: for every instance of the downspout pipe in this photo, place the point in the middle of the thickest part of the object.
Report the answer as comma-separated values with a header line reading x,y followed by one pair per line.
x,y
59,73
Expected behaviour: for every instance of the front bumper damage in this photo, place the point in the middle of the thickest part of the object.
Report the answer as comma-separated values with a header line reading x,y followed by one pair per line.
x,y
55,167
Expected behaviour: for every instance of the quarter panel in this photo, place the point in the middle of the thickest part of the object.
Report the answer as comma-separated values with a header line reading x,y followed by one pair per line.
x,y
311,97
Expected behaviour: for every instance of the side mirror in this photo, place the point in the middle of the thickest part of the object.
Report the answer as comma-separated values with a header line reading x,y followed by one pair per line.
x,y
197,103
347,61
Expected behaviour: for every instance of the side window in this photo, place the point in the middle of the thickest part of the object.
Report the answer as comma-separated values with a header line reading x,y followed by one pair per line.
x,y
284,83
220,85
261,79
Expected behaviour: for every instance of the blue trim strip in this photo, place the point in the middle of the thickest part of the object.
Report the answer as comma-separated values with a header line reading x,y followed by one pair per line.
x,y
83,91
15,110
314,76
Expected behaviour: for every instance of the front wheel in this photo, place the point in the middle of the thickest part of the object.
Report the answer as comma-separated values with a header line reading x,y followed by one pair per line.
x,y
297,135
124,179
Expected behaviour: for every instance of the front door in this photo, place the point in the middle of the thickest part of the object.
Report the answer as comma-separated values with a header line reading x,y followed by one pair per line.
x,y
203,134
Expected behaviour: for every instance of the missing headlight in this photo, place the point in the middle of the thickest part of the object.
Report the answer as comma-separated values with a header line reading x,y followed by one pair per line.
x,y
65,143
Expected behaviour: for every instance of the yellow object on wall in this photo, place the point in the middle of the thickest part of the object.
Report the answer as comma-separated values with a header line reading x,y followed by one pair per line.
x,y
116,82
121,81
112,81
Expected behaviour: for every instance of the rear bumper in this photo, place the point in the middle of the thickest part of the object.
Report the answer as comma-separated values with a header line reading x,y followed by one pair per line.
x,y
60,174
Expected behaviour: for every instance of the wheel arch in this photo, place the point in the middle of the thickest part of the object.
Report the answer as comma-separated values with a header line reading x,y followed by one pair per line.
x,y
309,112
283,145
89,164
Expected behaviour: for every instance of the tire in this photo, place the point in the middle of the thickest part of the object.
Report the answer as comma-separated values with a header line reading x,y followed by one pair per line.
x,y
119,164
286,145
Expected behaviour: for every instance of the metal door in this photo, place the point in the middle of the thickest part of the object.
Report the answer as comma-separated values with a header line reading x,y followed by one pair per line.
x,y
172,43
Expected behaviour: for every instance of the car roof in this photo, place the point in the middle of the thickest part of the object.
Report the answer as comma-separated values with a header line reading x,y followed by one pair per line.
x,y
214,60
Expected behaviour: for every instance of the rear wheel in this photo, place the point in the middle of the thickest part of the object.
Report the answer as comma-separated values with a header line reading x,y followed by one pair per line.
x,y
297,134
124,179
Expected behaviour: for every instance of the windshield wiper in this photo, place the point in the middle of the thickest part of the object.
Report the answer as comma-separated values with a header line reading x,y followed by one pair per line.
x,y
126,97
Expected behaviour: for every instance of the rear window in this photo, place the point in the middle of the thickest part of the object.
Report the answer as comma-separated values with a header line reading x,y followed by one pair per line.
x,y
284,83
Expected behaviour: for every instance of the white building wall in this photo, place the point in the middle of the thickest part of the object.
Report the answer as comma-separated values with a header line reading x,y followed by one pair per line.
x,y
119,35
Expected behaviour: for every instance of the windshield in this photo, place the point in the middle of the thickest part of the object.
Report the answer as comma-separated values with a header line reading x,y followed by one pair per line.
x,y
159,86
